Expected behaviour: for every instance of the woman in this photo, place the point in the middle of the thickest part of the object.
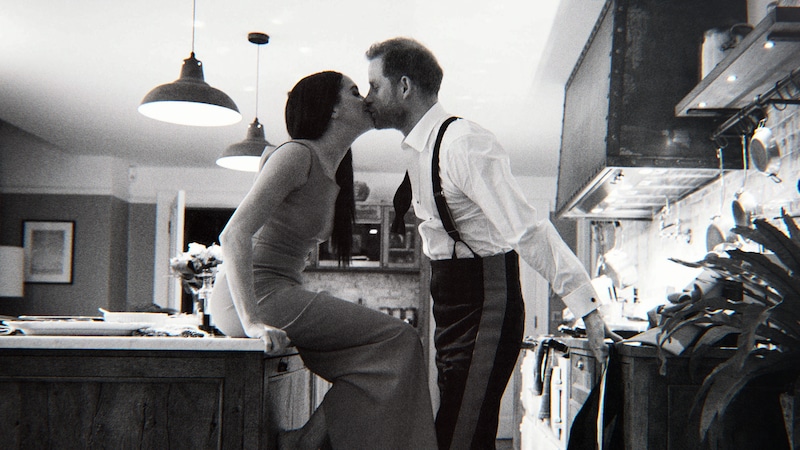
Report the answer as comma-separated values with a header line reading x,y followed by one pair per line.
x,y
303,195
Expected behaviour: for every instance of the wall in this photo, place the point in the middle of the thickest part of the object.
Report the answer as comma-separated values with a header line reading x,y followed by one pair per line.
x,y
99,258
39,182
650,247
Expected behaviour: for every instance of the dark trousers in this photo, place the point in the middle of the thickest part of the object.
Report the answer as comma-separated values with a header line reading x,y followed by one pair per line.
x,y
480,318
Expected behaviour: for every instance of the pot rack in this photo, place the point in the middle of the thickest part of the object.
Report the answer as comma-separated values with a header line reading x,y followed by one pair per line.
x,y
785,92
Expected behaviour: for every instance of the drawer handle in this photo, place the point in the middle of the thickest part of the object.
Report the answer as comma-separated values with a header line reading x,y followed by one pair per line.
x,y
283,366
579,365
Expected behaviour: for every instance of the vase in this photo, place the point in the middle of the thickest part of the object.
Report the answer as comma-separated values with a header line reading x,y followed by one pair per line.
x,y
201,297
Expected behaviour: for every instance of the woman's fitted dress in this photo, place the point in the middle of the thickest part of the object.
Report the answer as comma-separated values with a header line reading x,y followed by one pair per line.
x,y
380,397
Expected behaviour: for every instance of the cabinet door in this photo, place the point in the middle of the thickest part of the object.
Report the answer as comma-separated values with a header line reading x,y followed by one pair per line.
x,y
288,393
367,240
319,388
583,376
401,251
374,246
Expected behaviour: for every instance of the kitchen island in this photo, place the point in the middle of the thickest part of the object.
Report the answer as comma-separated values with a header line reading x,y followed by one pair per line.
x,y
147,392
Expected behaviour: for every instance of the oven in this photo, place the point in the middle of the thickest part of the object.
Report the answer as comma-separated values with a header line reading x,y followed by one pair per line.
x,y
545,395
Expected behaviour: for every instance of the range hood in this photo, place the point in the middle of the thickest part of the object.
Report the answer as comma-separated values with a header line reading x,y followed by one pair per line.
x,y
624,153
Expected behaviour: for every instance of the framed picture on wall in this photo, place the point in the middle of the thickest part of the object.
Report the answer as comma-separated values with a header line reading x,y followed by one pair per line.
x,y
48,251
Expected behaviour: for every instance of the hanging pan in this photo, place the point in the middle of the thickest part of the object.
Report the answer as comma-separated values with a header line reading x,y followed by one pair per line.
x,y
744,204
718,234
765,152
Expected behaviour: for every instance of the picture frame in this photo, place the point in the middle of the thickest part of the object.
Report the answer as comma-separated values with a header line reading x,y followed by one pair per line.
x,y
49,247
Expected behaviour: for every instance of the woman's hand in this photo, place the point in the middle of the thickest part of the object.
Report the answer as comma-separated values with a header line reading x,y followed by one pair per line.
x,y
275,339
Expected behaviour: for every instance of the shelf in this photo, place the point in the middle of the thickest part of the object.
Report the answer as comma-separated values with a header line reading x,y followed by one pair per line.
x,y
755,68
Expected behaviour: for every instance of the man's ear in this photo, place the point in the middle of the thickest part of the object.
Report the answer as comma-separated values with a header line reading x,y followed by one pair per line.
x,y
405,86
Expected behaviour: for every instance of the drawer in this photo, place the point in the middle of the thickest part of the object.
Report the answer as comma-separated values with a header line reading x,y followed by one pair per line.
x,y
582,372
283,365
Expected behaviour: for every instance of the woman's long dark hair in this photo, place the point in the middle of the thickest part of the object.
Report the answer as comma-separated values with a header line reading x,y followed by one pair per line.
x,y
308,114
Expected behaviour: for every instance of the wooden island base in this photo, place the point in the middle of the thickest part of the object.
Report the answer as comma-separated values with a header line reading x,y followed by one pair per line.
x,y
148,398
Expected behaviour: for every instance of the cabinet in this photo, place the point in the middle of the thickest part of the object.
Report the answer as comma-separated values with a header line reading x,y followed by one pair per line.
x,y
573,375
79,399
374,246
584,374
130,399
657,408
289,393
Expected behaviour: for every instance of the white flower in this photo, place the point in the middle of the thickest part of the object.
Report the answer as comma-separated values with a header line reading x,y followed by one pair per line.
x,y
215,252
196,249
198,258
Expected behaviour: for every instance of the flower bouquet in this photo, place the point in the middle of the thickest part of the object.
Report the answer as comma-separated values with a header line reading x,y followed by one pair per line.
x,y
197,268
197,263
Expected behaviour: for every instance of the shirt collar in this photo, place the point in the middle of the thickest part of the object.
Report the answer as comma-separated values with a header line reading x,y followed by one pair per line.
x,y
419,135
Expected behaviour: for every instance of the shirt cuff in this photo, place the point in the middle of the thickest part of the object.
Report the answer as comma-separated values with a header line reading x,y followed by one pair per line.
x,y
582,301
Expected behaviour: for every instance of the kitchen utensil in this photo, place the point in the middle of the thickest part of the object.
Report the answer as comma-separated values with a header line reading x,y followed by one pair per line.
x,y
620,268
718,231
744,208
719,236
604,235
765,152
744,204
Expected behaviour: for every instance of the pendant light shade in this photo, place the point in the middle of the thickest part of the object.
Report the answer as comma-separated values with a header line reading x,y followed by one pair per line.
x,y
247,154
189,100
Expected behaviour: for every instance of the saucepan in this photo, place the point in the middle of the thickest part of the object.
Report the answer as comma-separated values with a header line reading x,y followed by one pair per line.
x,y
765,152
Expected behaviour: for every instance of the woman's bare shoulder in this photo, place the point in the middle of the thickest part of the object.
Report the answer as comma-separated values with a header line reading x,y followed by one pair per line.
x,y
292,154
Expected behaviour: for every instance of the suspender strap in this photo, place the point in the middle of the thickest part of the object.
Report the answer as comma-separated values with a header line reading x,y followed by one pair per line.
x,y
438,194
436,181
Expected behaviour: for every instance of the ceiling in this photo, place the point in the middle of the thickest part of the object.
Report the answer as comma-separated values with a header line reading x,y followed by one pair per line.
x,y
73,73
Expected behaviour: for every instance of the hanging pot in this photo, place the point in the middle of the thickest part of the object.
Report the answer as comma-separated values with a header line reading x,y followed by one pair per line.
x,y
744,208
719,235
744,204
765,153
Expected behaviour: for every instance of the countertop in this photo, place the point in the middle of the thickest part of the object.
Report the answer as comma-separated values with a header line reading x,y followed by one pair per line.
x,y
131,343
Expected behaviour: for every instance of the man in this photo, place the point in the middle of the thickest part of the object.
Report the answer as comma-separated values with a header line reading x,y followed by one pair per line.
x,y
473,237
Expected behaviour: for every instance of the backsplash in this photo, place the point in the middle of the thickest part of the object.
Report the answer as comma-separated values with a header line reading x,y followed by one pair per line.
x,y
651,243
372,289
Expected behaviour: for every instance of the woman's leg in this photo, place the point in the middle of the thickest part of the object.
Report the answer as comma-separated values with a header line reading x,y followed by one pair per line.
x,y
379,396
311,436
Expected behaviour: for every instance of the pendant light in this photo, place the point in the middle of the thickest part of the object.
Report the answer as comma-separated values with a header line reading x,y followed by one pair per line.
x,y
246,155
189,100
